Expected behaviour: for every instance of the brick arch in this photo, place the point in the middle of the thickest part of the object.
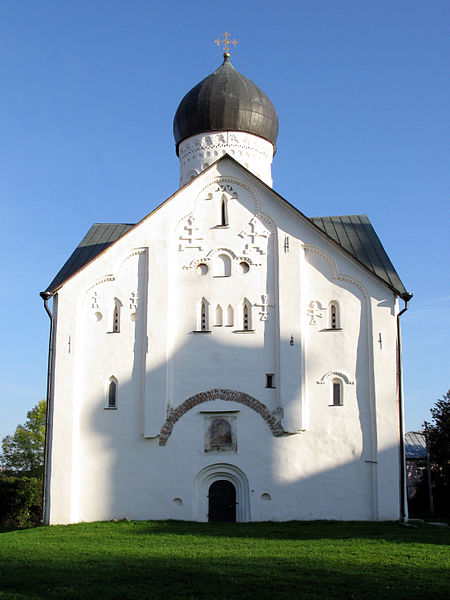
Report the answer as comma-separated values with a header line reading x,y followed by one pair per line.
x,y
227,395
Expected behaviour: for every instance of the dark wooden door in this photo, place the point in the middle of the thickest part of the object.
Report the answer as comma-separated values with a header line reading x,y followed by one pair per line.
x,y
222,501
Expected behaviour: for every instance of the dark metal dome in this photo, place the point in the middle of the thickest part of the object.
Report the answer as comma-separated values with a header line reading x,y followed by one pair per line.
x,y
226,101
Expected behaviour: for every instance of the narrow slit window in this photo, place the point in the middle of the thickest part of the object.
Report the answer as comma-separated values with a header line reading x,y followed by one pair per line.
x,y
223,211
116,318
204,317
246,317
333,314
337,393
112,393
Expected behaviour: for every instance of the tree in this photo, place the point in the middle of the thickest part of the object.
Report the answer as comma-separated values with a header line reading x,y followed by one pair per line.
x,y
438,440
23,452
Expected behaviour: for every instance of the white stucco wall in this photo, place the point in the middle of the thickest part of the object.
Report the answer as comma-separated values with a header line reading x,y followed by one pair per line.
x,y
333,462
198,152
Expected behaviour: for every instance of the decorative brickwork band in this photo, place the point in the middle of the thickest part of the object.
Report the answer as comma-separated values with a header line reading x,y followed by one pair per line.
x,y
230,396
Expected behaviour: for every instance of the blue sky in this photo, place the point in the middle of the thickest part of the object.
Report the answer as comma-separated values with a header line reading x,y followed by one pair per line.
x,y
89,90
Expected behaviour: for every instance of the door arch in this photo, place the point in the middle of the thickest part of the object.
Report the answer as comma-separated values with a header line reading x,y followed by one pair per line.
x,y
221,472
222,501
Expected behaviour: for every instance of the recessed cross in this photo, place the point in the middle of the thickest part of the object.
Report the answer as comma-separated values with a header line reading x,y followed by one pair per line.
x,y
264,312
226,42
133,300
192,237
256,230
95,300
315,312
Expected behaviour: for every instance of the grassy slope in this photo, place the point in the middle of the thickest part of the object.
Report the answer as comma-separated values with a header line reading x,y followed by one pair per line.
x,y
192,560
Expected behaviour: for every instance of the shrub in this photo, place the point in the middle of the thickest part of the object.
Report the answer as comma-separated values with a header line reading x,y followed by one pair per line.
x,y
20,501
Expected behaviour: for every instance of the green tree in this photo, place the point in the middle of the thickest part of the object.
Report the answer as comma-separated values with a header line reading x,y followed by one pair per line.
x,y
438,439
23,452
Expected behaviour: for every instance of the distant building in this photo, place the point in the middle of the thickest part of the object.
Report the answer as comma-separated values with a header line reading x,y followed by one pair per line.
x,y
416,461
226,358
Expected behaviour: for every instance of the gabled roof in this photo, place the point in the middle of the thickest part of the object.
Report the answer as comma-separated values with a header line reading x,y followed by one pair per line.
x,y
356,234
97,239
353,233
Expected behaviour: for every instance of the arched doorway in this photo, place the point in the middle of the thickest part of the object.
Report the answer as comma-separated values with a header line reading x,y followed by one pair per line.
x,y
221,472
222,501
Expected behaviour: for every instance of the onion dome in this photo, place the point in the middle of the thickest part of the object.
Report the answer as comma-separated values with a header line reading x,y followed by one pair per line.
x,y
226,101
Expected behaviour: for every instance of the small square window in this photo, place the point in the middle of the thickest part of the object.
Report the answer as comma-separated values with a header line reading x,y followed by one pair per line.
x,y
270,380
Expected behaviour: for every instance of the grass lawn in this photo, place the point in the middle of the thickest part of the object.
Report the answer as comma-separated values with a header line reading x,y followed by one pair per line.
x,y
171,559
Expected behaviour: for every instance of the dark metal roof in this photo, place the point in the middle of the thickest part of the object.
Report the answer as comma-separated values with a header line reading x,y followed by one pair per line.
x,y
415,445
356,234
226,101
99,237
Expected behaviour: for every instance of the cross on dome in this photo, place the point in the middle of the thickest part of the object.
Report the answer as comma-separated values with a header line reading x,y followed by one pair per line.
x,y
226,42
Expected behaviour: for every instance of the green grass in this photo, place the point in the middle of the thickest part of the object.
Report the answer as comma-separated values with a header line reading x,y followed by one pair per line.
x,y
173,559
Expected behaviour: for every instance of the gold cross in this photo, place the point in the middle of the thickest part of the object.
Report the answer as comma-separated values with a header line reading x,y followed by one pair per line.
x,y
226,42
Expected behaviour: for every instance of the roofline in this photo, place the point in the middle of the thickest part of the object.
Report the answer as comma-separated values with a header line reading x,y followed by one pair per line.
x,y
307,219
296,211
186,185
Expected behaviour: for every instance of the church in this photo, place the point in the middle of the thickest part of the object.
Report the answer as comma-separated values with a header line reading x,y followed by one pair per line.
x,y
227,358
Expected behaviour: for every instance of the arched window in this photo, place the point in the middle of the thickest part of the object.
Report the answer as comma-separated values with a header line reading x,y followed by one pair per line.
x,y
223,211
116,319
333,316
219,316
203,316
246,315
336,392
112,393
230,316
116,316
222,266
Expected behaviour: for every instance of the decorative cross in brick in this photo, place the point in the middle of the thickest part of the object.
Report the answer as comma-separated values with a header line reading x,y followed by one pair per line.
x,y
95,300
191,237
315,312
256,230
133,301
264,312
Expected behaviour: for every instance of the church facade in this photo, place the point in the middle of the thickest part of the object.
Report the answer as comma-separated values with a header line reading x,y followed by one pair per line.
x,y
226,358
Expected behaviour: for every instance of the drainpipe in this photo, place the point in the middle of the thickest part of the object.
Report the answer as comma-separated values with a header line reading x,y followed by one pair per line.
x,y
406,297
48,416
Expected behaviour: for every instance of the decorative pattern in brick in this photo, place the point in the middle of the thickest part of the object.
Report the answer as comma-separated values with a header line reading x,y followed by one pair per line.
x,y
217,394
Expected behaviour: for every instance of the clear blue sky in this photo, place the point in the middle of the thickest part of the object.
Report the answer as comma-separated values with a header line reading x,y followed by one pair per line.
x,y
89,90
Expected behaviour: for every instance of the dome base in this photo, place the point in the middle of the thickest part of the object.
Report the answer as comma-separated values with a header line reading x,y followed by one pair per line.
x,y
199,151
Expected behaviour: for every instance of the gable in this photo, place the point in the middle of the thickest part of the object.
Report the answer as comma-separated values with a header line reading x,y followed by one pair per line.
x,y
353,233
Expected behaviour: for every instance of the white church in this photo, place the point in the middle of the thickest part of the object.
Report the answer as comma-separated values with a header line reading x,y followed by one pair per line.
x,y
227,358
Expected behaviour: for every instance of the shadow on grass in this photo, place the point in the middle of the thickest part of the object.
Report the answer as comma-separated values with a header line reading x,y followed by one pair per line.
x,y
88,575
300,530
